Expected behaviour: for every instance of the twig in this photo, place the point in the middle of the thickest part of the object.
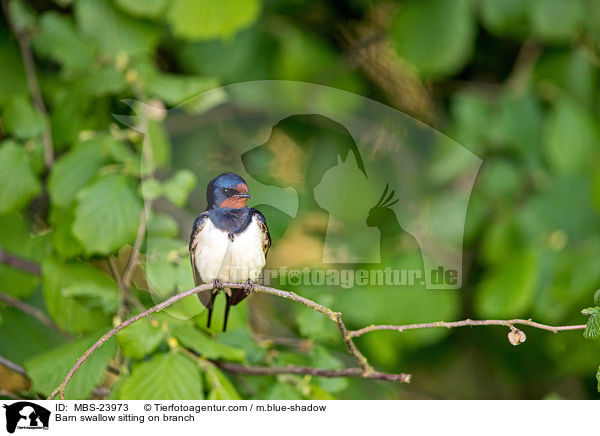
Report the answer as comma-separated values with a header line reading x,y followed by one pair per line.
x,y
24,40
19,263
13,366
467,322
364,369
125,295
135,251
523,66
33,311
334,316
306,370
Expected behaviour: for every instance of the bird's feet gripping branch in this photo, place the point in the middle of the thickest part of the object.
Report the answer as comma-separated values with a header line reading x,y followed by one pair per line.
x,y
248,287
217,286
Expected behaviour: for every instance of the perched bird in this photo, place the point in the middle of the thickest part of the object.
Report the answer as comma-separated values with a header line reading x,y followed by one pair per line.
x,y
229,242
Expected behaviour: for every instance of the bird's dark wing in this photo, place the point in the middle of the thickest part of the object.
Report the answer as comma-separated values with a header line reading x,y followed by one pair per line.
x,y
199,223
262,225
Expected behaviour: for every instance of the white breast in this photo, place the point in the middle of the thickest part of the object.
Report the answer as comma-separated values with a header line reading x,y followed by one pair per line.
x,y
217,257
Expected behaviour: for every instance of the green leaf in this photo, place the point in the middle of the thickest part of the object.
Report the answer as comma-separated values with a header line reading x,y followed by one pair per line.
x,y
592,329
205,346
178,187
109,206
598,378
113,31
49,369
16,238
571,71
74,170
72,313
143,8
158,140
174,89
205,19
220,386
64,242
322,358
508,291
57,39
314,325
140,338
506,17
160,224
104,81
13,74
436,36
565,203
23,337
22,120
95,296
282,391
18,184
165,377
68,115
161,264
556,20
517,123
242,338
571,137
22,16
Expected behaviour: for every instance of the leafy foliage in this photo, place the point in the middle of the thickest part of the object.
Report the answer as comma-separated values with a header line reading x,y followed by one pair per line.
x,y
515,82
170,376
48,369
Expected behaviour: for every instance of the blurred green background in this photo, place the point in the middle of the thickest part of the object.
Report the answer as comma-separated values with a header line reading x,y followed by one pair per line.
x,y
516,82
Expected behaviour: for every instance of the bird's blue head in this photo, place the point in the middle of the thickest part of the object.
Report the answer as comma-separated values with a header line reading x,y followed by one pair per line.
x,y
227,190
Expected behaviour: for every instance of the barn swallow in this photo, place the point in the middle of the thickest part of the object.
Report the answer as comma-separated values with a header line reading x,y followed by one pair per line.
x,y
229,242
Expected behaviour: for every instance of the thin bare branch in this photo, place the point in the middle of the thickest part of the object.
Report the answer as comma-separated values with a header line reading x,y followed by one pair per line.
x,y
33,311
135,251
464,323
334,316
12,366
19,263
306,370
364,370
24,41
125,294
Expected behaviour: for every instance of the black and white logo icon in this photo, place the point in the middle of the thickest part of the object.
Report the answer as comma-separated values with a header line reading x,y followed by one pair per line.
x,y
26,415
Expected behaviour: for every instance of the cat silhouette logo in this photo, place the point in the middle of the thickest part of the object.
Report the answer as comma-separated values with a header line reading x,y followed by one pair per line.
x,y
26,415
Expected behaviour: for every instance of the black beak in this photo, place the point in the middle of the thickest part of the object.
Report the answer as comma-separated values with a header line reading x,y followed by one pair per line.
x,y
244,195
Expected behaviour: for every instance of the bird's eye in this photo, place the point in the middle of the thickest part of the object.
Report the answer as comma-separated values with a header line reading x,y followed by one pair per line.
x,y
228,191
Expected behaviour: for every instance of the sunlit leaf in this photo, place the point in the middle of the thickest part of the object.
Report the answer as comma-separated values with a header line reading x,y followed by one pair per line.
x,y
74,170
436,36
140,338
22,120
168,376
74,313
507,291
109,206
205,19
112,30
49,369
205,346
